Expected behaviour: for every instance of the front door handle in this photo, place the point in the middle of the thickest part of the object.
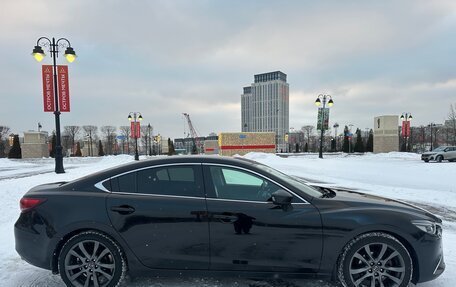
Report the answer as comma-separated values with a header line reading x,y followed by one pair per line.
x,y
123,209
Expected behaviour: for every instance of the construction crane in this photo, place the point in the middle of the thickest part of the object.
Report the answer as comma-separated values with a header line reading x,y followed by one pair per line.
x,y
193,133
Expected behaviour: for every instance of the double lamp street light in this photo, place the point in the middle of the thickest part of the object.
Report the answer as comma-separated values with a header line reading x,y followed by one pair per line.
x,y
326,99
70,55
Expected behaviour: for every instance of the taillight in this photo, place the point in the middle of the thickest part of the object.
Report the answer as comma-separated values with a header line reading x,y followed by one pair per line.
x,y
29,203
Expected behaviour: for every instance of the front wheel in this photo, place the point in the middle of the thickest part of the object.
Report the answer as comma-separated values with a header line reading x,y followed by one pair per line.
x,y
439,158
375,259
91,259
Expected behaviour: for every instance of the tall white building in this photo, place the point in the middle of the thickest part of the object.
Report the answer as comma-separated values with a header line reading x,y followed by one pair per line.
x,y
265,106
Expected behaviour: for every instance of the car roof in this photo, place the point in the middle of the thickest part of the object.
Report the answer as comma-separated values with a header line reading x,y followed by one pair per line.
x,y
160,160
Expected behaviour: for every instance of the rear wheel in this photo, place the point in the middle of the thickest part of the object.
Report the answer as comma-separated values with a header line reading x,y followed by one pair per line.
x,y
91,259
375,259
439,158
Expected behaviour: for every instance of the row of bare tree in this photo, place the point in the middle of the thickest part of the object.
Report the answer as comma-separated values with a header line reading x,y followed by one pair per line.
x,y
422,138
114,141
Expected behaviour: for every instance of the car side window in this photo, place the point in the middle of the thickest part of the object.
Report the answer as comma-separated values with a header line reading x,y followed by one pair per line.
x,y
232,176
171,180
235,184
124,183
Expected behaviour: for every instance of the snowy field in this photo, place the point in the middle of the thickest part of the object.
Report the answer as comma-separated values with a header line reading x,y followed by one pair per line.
x,y
395,175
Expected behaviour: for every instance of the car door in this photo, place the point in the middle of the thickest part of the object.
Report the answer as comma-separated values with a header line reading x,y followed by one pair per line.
x,y
161,214
250,233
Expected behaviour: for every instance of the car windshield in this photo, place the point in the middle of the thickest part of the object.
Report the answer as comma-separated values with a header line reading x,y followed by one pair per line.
x,y
441,148
294,181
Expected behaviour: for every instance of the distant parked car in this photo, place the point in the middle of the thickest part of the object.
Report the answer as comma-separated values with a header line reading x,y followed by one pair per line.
x,y
440,153
222,216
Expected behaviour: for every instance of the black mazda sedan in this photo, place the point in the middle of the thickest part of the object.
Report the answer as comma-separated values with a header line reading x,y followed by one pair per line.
x,y
222,216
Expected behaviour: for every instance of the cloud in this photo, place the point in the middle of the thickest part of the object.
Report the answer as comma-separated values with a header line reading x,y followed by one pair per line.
x,y
167,57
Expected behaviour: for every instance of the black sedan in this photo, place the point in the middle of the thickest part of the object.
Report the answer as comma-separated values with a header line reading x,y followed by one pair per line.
x,y
222,216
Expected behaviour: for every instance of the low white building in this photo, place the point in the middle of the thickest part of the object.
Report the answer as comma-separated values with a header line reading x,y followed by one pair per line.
x,y
35,145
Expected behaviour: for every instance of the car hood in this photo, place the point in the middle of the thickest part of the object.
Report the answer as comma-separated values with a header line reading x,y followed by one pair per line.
x,y
354,199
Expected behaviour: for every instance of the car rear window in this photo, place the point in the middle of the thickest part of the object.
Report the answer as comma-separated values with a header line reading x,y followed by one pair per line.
x,y
169,180
178,181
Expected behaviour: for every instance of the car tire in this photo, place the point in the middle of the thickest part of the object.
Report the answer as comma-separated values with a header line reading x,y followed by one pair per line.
x,y
426,160
377,257
439,158
90,256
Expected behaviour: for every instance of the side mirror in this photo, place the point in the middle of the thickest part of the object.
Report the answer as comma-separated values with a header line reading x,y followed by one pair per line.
x,y
281,197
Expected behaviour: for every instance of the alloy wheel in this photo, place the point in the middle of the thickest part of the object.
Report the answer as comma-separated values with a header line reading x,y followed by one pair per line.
x,y
377,265
89,263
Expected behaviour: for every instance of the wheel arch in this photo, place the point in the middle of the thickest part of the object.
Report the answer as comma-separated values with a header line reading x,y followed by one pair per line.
x,y
68,235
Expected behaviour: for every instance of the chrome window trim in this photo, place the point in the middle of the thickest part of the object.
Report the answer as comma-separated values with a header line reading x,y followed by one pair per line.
x,y
249,201
199,198
99,185
260,175
160,195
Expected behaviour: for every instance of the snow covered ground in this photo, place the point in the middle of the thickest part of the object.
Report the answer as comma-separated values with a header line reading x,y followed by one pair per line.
x,y
395,175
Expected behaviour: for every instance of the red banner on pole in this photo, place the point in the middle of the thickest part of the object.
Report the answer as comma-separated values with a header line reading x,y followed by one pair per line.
x,y
405,129
135,130
63,86
48,88
132,130
138,130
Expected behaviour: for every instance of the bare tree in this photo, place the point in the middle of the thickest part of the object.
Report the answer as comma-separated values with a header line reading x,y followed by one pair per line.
x,y
72,132
452,122
109,133
66,144
146,139
308,132
4,131
91,133
125,133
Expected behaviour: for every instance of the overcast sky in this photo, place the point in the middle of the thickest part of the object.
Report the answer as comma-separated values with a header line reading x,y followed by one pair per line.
x,y
163,58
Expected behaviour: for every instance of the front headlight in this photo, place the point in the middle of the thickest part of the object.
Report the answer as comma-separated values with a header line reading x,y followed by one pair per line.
x,y
428,226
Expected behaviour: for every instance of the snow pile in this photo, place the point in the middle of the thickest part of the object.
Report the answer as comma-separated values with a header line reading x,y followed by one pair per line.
x,y
392,175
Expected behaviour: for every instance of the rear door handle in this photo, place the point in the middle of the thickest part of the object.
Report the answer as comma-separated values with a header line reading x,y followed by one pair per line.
x,y
123,209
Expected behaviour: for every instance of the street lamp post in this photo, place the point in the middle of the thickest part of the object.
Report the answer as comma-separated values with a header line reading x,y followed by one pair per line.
x,y
432,142
325,99
350,138
406,120
335,126
149,128
135,129
70,55
90,149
